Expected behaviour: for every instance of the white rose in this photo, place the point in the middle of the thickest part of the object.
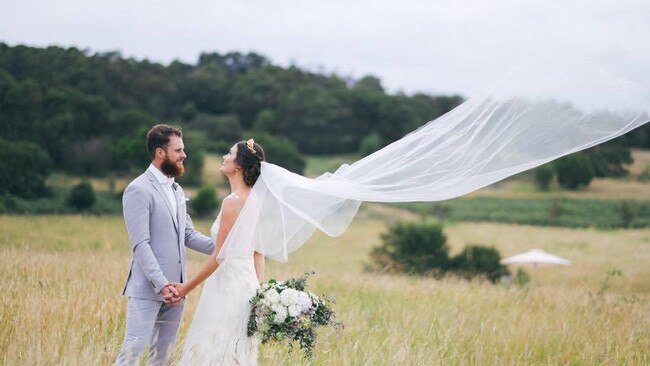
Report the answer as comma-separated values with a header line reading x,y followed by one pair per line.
x,y
289,297
280,314
272,296
294,310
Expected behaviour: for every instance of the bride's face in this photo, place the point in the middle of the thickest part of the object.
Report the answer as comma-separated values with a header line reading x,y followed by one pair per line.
x,y
228,166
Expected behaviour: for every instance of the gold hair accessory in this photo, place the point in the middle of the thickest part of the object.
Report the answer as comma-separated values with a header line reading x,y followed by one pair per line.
x,y
251,145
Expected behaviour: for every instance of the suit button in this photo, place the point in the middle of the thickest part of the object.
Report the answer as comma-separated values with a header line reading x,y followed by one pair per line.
x,y
179,261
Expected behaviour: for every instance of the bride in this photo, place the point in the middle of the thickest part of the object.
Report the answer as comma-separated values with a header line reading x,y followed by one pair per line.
x,y
218,332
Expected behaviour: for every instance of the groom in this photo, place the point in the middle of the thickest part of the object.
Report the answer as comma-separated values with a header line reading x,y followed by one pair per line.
x,y
159,228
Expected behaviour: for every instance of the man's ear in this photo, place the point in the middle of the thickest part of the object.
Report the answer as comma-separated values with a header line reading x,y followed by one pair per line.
x,y
160,152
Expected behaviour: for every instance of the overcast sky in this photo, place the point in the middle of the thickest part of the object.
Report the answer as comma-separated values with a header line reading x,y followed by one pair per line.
x,y
438,47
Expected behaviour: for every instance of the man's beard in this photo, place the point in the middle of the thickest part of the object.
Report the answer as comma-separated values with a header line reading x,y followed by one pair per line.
x,y
170,168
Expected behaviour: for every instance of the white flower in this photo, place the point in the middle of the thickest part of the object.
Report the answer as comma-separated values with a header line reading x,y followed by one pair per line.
x,y
272,296
289,297
303,302
294,310
280,313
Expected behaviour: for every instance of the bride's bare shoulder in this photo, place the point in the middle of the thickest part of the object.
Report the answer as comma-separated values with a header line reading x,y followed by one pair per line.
x,y
232,203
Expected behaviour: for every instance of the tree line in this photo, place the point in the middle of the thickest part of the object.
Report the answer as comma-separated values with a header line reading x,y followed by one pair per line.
x,y
87,110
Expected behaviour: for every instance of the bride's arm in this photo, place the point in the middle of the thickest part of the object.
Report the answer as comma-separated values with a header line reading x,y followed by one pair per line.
x,y
229,212
259,266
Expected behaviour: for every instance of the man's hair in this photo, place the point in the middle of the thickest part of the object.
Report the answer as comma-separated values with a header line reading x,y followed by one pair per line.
x,y
158,137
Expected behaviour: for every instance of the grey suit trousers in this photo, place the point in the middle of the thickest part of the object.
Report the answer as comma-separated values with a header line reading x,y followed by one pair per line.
x,y
150,322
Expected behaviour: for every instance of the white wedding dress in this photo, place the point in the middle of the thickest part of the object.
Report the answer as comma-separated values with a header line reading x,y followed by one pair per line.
x,y
217,335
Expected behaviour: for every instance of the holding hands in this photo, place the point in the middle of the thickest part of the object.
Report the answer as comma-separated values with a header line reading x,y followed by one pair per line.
x,y
173,293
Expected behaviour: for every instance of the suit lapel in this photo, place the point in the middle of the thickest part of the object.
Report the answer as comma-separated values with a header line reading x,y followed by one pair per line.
x,y
177,196
158,188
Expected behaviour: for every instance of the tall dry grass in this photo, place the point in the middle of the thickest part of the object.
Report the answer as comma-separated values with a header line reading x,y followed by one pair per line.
x,y
62,276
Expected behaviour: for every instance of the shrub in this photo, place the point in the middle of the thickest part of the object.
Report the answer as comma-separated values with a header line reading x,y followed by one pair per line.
x,y
544,176
574,171
476,260
205,203
417,248
26,166
82,196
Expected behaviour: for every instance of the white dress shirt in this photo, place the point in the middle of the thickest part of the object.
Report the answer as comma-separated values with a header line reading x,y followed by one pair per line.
x,y
166,183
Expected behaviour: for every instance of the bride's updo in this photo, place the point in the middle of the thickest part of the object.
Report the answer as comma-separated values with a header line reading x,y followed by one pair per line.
x,y
250,156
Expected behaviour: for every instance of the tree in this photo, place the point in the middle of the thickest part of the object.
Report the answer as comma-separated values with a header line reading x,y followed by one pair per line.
x,y
574,171
544,176
225,127
130,152
281,151
316,120
207,88
609,160
27,166
128,121
254,91
370,144
194,161
395,118
91,157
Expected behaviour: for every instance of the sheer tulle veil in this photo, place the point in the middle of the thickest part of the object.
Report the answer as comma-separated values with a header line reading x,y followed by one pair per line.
x,y
541,111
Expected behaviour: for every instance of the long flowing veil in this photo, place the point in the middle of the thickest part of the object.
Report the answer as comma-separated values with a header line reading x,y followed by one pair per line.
x,y
543,110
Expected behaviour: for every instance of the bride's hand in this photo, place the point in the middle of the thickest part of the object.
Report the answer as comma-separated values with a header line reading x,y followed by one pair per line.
x,y
181,291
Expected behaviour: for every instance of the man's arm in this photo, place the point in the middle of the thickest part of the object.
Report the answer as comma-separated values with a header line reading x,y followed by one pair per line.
x,y
195,240
136,216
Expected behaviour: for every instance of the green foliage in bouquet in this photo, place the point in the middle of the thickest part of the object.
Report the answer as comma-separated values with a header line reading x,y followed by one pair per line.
x,y
283,311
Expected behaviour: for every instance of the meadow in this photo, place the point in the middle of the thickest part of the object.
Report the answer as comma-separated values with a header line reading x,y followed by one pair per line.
x,y
62,277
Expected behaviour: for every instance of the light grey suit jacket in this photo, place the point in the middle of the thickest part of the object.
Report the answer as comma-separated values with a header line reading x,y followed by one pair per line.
x,y
158,239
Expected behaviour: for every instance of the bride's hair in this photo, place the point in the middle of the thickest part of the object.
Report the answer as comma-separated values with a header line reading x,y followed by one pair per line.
x,y
250,156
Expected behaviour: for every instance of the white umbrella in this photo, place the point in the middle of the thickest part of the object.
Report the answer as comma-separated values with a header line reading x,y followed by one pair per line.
x,y
535,256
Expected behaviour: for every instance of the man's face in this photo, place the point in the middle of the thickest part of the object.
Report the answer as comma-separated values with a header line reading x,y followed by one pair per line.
x,y
174,156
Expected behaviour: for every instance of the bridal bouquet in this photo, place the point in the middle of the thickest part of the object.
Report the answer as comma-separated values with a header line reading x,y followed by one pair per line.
x,y
284,311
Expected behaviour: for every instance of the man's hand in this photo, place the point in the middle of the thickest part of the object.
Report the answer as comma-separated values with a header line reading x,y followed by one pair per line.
x,y
170,294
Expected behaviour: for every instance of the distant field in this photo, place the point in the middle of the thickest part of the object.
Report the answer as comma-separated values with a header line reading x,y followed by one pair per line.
x,y
543,211
317,165
62,277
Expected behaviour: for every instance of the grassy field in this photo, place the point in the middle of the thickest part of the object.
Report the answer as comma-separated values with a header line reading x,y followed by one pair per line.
x,y
62,276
